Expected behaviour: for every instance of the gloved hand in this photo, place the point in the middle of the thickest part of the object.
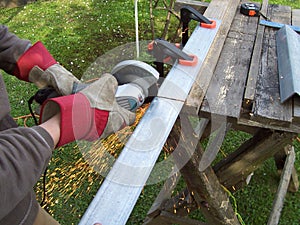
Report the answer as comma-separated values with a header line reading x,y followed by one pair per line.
x,y
55,76
89,114
38,66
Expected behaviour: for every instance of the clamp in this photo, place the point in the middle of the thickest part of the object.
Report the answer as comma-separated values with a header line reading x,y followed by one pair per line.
x,y
163,51
188,13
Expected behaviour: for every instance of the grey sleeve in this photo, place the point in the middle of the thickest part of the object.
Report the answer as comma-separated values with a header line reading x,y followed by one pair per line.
x,y
24,154
11,48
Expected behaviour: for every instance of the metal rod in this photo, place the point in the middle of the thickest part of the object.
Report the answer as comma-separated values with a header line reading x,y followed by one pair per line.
x,y
118,194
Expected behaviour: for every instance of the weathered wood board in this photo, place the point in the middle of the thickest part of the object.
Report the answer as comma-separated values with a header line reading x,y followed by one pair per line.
x,y
226,90
225,11
255,62
234,169
296,17
267,106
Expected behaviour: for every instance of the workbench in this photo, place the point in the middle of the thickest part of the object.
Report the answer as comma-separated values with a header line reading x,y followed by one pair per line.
x,y
238,89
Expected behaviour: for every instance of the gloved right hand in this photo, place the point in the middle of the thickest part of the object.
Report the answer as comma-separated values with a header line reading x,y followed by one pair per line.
x,y
89,114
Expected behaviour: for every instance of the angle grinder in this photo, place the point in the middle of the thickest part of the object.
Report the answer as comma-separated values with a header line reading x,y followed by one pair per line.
x,y
137,81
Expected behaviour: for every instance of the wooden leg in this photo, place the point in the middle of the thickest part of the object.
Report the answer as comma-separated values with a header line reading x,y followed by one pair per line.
x,y
283,186
280,159
204,186
236,167
164,195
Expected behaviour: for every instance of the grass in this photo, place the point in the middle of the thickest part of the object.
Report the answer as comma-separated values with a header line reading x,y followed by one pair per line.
x,y
77,32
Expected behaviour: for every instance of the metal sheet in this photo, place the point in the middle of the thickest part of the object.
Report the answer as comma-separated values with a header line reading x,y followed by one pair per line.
x,y
119,192
288,47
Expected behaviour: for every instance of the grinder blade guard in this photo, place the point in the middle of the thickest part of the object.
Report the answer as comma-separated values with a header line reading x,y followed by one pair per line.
x,y
137,81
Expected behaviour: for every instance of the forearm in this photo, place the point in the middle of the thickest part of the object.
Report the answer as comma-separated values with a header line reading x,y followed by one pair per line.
x,y
24,154
52,126
11,48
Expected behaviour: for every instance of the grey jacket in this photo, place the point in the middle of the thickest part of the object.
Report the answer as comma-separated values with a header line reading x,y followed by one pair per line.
x,y
24,152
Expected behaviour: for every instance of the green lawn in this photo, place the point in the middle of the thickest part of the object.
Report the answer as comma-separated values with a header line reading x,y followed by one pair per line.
x,y
77,32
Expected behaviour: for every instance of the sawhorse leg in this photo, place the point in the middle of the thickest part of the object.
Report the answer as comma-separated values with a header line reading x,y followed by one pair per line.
x,y
283,185
280,159
202,187
236,167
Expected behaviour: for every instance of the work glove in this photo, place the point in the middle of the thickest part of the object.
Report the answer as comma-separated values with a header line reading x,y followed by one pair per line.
x,y
38,66
90,114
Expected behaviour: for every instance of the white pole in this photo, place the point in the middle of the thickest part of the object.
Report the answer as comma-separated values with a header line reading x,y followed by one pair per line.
x,y
137,29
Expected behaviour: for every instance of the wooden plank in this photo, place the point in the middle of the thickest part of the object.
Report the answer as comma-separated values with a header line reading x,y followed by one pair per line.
x,y
294,127
296,111
167,217
296,17
267,105
225,11
255,61
233,170
225,93
282,188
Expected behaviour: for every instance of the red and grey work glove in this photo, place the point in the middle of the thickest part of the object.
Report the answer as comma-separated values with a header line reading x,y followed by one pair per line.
x,y
39,67
89,114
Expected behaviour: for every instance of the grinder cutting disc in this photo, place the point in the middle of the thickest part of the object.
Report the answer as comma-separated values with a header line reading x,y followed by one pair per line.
x,y
139,73
137,81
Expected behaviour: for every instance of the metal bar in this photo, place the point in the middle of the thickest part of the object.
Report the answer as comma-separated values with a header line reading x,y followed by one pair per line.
x,y
118,194
278,25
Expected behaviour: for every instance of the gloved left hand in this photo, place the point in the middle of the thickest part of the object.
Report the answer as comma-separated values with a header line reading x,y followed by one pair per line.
x,y
38,66
55,76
